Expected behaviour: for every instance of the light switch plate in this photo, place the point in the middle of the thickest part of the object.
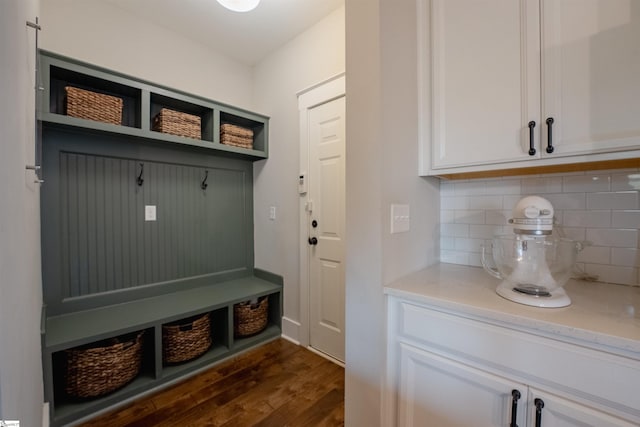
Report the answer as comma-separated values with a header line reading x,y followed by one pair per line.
x,y
149,213
400,218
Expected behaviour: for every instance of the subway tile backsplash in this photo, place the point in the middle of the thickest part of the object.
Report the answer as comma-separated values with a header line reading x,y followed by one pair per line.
x,y
602,208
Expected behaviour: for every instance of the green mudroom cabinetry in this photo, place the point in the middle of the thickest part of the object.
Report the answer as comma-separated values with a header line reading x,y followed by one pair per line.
x,y
142,227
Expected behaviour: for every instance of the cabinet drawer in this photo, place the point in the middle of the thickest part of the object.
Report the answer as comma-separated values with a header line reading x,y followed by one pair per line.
x,y
599,377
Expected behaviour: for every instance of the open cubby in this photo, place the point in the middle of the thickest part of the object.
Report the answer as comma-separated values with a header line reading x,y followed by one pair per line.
x,y
159,102
61,77
65,405
257,126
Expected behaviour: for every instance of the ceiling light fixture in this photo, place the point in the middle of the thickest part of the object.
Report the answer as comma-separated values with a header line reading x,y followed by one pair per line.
x,y
239,5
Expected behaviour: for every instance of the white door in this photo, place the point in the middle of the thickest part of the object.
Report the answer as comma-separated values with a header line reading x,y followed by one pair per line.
x,y
552,411
434,391
485,81
591,75
326,181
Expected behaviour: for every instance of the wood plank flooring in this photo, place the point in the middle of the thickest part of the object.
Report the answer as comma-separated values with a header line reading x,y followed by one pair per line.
x,y
278,384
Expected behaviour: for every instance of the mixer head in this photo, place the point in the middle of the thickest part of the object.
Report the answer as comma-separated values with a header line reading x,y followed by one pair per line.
x,y
532,215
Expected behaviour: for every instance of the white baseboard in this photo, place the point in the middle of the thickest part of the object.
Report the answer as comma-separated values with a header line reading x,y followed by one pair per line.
x,y
290,340
326,356
291,330
45,414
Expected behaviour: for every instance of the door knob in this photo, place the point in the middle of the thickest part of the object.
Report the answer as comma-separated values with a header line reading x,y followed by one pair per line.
x,y
313,241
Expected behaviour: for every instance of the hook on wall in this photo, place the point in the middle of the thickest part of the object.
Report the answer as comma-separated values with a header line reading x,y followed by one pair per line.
x,y
139,179
204,184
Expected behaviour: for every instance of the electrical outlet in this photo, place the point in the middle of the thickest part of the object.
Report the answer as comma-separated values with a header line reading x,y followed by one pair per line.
x,y
272,213
400,218
149,213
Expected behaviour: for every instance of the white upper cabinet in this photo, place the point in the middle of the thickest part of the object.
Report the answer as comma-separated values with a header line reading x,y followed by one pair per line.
x,y
493,73
485,80
591,75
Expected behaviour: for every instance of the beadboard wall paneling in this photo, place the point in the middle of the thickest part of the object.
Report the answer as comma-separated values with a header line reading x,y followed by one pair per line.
x,y
97,246
106,243
602,208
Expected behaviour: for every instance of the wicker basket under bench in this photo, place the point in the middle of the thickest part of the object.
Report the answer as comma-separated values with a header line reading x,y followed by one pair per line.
x,y
250,317
102,367
186,339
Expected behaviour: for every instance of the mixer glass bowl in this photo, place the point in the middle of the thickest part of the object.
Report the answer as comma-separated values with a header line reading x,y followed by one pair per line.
x,y
533,265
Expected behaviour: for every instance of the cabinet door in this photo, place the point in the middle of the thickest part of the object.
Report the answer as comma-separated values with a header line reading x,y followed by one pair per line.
x,y
559,412
485,80
434,391
591,75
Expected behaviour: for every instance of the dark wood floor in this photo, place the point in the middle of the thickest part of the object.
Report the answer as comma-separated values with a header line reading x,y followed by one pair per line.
x,y
278,384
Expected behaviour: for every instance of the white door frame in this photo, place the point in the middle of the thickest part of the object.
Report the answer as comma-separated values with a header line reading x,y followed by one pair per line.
x,y
321,93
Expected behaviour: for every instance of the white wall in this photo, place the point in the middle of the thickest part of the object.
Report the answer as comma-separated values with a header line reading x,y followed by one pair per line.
x,y
21,389
364,300
104,35
382,168
310,58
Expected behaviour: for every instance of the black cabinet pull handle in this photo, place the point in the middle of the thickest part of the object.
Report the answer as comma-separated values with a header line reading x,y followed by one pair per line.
x,y
549,141
515,396
313,241
539,405
532,150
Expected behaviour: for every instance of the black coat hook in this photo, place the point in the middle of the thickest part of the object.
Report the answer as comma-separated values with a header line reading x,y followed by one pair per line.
x,y
204,184
140,180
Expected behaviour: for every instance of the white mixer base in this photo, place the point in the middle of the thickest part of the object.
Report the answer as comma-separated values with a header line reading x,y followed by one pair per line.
x,y
558,297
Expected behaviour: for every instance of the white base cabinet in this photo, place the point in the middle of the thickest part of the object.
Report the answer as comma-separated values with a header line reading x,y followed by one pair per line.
x,y
547,410
448,369
440,392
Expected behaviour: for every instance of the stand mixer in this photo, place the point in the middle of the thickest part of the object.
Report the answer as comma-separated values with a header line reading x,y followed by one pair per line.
x,y
533,264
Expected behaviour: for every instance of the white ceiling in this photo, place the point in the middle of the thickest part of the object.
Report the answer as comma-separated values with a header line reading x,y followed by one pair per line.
x,y
245,37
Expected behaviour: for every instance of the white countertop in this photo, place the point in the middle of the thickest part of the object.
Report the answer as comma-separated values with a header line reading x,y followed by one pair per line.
x,y
602,315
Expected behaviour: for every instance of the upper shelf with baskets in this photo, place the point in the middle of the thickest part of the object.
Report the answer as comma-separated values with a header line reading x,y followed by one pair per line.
x,y
85,96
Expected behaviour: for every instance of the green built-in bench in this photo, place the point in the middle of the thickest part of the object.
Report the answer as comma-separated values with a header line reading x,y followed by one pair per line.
x,y
63,332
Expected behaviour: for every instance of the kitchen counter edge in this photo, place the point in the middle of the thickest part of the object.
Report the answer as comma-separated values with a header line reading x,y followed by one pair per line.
x,y
602,316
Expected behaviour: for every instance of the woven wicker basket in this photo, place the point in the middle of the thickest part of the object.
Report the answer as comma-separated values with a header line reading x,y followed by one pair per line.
x,y
186,339
236,136
177,123
249,319
228,128
89,105
103,367
236,141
